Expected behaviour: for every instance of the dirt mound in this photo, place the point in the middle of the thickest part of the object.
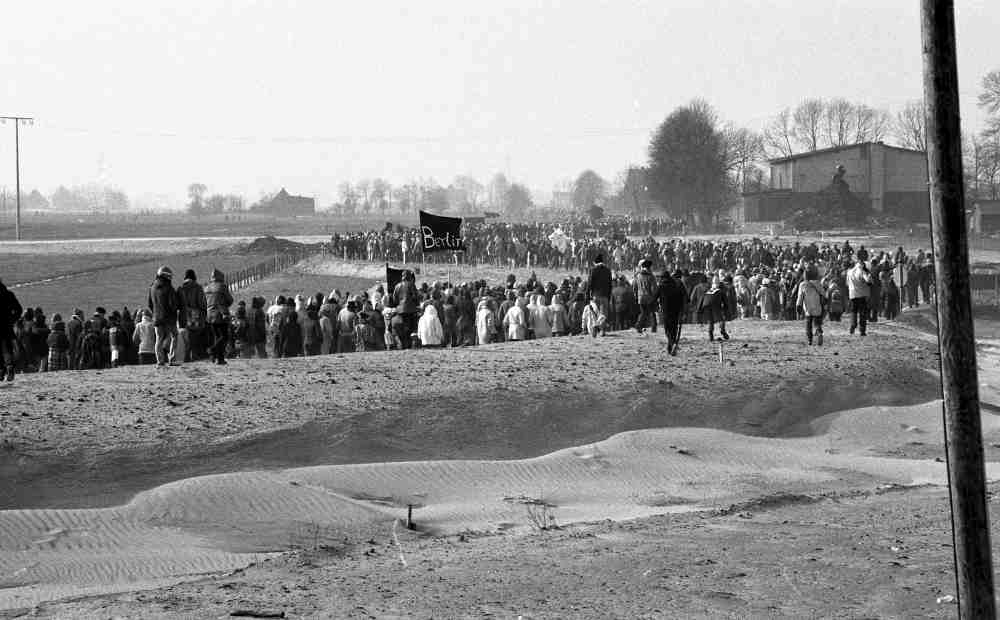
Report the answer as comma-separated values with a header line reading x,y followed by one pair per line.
x,y
277,245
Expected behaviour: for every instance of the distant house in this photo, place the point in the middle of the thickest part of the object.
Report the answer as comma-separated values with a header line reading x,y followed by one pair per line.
x,y
889,181
985,217
284,204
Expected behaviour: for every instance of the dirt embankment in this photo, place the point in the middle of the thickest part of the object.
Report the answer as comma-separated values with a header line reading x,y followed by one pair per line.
x,y
96,438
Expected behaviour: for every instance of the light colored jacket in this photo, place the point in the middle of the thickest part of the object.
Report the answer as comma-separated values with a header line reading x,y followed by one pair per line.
x,y
810,298
429,329
515,323
593,319
485,327
145,335
541,322
858,282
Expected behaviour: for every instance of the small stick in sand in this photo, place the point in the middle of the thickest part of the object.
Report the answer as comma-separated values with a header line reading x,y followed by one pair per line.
x,y
402,560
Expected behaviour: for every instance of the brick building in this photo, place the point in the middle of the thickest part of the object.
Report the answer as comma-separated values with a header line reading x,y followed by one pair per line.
x,y
284,204
889,181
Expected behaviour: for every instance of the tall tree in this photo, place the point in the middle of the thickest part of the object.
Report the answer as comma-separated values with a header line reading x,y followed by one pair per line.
x,y
196,193
909,126
870,124
745,154
518,200
839,127
688,163
380,194
471,191
807,124
589,189
989,100
779,135
348,198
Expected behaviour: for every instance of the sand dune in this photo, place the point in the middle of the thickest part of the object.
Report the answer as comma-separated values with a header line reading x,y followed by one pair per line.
x,y
220,522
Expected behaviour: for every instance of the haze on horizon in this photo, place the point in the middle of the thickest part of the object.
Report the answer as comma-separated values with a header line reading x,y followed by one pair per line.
x,y
247,97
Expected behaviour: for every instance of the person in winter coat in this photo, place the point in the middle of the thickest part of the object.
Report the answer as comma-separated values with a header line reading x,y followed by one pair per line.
x,y
515,322
449,322
811,299
326,327
599,286
366,337
10,312
673,306
256,329
429,330
74,331
168,313
645,287
593,318
538,317
858,289
39,341
575,313
58,343
144,337
767,299
407,304
835,295
697,294
191,339
559,316
291,335
713,309
346,321
218,299
312,334
485,322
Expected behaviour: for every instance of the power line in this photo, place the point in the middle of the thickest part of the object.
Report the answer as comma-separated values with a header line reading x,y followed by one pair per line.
x,y
17,166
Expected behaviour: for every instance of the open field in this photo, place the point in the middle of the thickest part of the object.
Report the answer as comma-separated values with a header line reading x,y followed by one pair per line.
x,y
135,478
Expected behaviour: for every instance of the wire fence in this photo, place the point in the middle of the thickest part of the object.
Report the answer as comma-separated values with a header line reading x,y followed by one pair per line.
x,y
242,278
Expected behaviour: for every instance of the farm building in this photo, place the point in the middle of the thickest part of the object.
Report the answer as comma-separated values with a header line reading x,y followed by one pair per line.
x,y
888,180
284,204
985,217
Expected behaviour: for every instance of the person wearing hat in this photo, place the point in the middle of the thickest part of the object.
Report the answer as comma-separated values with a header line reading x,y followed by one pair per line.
x,y
191,339
74,332
599,288
165,305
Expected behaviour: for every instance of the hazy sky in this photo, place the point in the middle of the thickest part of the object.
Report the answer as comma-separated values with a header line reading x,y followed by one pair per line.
x,y
251,96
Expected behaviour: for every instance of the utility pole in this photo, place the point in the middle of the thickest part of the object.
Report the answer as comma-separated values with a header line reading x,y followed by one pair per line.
x,y
17,167
956,337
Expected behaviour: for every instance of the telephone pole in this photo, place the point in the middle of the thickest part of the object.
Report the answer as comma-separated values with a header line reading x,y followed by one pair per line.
x,y
17,167
956,339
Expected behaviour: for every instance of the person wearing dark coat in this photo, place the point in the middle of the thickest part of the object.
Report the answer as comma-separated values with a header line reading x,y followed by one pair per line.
x,y
10,312
291,336
165,305
697,294
599,285
256,328
218,299
196,307
672,298
713,309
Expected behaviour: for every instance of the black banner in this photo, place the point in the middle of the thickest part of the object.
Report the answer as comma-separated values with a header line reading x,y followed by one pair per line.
x,y
441,234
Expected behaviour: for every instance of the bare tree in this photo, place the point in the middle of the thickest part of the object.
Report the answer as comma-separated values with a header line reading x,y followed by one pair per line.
x,y
807,124
870,124
973,155
745,151
838,122
989,100
780,134
909,126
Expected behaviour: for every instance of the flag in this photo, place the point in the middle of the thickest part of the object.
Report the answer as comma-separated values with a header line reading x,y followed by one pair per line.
x,y
441,234
559,240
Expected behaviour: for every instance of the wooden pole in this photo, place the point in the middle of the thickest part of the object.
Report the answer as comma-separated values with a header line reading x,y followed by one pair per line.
x,y
956,338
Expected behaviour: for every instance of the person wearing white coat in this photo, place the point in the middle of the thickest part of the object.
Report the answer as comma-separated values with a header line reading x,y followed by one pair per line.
x,y
429,329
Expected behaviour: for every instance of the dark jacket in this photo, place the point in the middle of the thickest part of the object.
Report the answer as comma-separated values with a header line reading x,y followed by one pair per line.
x,y
672,298
10,312
165,304
599,282
645,286
192,297
407,298
713,305
218,298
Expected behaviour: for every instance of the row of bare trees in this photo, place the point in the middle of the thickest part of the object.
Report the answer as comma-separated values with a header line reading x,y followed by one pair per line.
x,y
464,195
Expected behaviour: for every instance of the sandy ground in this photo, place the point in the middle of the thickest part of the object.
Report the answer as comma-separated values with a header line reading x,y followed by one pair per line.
x,y
788,481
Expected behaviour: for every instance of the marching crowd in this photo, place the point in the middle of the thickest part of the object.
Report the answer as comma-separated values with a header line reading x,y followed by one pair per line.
x,y
676,282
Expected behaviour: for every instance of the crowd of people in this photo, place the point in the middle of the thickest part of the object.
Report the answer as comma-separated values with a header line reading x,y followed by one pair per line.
x,y
673,282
